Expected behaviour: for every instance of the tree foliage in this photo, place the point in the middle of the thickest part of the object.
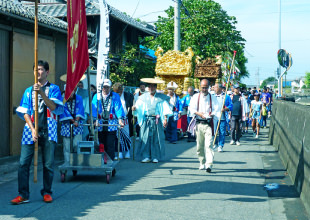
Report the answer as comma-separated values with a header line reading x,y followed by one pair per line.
x,y
266,81
307,81
132,65
207,28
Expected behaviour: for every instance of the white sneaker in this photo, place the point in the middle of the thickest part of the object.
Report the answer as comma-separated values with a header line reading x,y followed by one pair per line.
x,y
202,167
127,155
155,161
220,149
256,136
238,143
232,142
215,146
146,160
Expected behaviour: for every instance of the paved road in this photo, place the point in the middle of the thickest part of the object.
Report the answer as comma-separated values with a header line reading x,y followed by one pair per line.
x,y
173,189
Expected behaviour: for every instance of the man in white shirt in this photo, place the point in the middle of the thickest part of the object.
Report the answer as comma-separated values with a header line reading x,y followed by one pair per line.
x,y
203,105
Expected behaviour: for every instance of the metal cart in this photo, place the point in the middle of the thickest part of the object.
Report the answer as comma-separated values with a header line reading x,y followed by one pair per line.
x,y
87,159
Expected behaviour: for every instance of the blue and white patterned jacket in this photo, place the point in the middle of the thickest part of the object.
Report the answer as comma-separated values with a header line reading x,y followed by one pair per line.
x,y
26,107
116,111
65,117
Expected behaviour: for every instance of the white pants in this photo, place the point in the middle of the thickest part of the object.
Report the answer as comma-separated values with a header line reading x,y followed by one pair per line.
x,y
204,142
66,147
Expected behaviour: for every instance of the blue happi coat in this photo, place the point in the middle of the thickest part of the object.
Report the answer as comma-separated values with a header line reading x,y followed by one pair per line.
x,y
116,111
177,107
26,107
65,117
185,103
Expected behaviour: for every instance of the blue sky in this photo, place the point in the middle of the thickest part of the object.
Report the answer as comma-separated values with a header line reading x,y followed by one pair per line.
x,y
258,21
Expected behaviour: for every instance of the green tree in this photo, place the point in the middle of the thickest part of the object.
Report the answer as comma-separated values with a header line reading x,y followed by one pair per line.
x,y
266,81
307,81
208,29
132,65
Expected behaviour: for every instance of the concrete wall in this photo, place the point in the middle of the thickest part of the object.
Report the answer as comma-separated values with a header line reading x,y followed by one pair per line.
x,y
290,134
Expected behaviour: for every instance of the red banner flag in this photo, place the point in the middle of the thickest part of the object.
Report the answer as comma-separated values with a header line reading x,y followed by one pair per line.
x,y
77,45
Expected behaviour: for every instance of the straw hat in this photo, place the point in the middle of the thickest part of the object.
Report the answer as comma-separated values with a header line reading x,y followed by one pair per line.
x,y
152,81
172,85
64,77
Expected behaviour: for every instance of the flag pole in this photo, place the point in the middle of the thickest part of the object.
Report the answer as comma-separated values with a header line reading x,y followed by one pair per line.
x,y
35,160
219,121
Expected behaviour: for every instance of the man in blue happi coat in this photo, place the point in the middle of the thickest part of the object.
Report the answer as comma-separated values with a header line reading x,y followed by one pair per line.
x,y
176,107
49,106
110,112
73,115
186,101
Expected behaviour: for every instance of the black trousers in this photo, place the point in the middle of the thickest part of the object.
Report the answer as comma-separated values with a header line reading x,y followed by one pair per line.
x,y
107,138
236,125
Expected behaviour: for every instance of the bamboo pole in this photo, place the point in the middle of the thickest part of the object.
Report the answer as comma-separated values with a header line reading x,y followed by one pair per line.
x,y
219,121
36,145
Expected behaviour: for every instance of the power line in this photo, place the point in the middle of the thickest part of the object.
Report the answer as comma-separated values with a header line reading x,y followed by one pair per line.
x,y
154,12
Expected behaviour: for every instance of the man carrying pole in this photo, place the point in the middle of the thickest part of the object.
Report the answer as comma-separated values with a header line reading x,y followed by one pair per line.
x,y
49,106
221,117
224,101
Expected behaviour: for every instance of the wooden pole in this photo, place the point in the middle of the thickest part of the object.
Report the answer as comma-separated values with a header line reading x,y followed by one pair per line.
x,y
219,121
134,137
36,117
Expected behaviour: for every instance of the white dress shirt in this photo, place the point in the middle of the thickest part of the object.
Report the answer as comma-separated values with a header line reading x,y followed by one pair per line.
x,y
204,105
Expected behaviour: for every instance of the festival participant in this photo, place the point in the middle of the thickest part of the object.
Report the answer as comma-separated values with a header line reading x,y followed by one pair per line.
x,y
204,106
271,101
238,114
49,106
256,113
220,140
110,112
247,121
73,115
140,91
176,107
152,110
263,121
127,132
186,101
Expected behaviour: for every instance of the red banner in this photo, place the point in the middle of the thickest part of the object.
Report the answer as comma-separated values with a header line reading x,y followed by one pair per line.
x,y
77,45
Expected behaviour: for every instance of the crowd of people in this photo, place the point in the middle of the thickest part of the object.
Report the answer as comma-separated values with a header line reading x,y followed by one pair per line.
x,y
205,116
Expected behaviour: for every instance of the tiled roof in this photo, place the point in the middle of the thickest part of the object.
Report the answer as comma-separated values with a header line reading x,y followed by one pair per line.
x,y
16,9
92,8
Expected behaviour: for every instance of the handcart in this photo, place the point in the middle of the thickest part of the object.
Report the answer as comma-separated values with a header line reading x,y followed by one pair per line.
x,y
87,158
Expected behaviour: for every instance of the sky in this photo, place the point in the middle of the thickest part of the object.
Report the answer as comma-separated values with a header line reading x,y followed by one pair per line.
x,y
258,21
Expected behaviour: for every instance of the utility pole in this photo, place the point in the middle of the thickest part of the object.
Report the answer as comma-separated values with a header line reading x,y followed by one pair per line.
x,y
275,79
280,84
257,77
177,26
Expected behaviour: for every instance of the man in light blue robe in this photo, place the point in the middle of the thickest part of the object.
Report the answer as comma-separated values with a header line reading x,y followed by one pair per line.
x,y
152,110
